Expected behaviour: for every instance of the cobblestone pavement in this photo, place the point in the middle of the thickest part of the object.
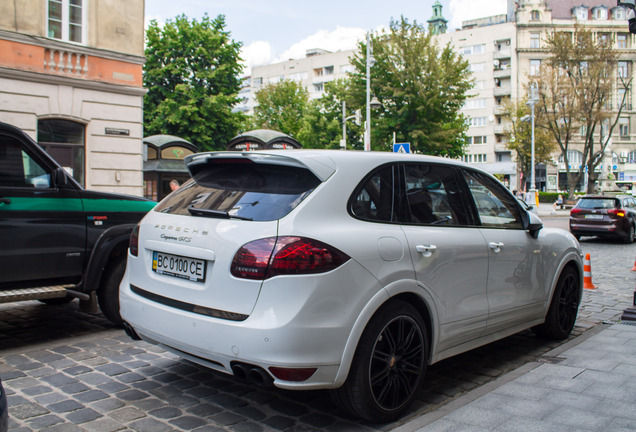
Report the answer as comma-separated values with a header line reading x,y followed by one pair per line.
x,y
66,370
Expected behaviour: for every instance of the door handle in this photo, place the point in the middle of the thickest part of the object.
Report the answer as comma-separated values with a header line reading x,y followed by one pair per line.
x,y
5,201
495,246
425,250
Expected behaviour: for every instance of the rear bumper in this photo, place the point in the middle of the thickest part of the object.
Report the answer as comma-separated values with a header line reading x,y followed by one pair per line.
x,y
293,325
616,230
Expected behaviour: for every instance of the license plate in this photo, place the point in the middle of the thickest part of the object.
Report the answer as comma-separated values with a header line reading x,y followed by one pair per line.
x,y
593,216
192,269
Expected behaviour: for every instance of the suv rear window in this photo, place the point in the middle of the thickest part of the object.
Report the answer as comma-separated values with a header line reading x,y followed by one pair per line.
x,y
598,203
251,191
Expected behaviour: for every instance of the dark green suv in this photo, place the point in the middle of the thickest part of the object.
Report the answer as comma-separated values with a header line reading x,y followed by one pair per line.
x,y
59,241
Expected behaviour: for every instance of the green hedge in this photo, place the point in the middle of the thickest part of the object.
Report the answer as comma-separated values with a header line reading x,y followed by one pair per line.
x,y
551,197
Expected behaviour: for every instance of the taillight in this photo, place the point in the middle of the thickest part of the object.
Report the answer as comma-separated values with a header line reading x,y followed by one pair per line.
x,y
617,212
269,257
133,244
575,211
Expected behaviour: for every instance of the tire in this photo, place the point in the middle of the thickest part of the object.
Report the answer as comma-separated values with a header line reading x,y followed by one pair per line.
x,y
108,291
388,366
564,306
629,238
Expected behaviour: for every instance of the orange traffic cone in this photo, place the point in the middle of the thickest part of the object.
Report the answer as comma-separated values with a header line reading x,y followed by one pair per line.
x,y
587,273
634,268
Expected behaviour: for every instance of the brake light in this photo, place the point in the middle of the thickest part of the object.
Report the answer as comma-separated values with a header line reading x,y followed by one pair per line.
x,y
575,211
265,258
292,374
133,244
617,212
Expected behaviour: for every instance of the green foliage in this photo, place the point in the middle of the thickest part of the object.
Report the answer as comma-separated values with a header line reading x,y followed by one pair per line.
x,y
281,107
421,87
192,76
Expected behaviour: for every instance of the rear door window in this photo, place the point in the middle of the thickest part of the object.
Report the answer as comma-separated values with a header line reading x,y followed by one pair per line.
x,y
250,191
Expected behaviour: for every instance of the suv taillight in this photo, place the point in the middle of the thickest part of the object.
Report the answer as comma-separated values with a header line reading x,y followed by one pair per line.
x,y
269,257
575,211
617,212
133,244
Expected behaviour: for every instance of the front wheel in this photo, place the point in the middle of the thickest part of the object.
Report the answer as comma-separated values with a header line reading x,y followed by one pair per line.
x,y
108,292
564,307
388,366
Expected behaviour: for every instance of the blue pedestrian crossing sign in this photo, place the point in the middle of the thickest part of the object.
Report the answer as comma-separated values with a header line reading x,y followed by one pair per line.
x,y
402,148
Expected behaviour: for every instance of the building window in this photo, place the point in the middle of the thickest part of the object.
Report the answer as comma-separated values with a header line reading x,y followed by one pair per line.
x,y
477,121
66,20
328,70
318,87
619,14
535,40
581,13
599,13
623,127
535,67
622,40
64,141
623,69
475,103
535,16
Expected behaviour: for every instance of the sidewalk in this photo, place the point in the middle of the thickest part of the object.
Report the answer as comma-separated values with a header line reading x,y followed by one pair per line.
x,y
584,385
545,209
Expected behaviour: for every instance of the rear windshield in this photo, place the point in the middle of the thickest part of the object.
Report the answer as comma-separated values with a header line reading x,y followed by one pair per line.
x,y
598,203
249,191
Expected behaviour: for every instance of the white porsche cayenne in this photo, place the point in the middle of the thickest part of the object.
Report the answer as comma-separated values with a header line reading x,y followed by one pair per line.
x,y
343,270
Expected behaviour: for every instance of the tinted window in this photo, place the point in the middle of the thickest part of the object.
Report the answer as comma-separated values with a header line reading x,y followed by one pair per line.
x,y
18,169
597,203
432,195
375,199
496,206
252,191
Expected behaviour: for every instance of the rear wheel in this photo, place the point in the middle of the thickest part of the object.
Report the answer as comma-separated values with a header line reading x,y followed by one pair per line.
x,y
564,307
388,365
629,238
108,292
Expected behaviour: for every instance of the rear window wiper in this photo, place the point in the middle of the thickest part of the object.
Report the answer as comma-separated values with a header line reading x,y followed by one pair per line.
x,y
215,214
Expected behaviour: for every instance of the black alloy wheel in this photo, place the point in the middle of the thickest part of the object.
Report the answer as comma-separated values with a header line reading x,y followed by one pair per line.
x,y
564,307
388,366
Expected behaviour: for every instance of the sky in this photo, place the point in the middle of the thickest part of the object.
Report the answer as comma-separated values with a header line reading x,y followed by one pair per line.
x,y
277,30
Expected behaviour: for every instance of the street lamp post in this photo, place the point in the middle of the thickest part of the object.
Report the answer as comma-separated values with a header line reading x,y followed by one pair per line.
x,y
357,117
367,126
533,184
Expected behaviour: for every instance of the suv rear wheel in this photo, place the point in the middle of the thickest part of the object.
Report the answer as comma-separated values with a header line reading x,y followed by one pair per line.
x,y
108,292
388,365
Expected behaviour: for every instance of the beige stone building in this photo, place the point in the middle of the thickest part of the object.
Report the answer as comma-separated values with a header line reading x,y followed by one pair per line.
x,y
71,77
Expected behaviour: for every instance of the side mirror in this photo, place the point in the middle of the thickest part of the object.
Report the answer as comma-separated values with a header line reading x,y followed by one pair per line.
x,y
534,225
60,177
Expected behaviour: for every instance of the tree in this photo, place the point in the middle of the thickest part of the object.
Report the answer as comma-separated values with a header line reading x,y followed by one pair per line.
x,y
322,123
281,107
518,133
192,76
421,87
576,87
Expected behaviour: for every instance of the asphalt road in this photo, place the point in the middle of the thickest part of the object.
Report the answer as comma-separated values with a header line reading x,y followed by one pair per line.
x,y
67,370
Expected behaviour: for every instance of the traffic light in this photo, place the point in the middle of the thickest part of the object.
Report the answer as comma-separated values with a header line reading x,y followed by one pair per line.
x,y
358,118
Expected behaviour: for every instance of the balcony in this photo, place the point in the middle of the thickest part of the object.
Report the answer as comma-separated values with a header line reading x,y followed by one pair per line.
x,y
502,72
65,62
502,91
503,54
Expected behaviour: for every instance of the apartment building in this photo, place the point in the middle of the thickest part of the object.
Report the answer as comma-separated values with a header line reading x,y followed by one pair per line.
x,y
489,46
505,53
313,71
71,77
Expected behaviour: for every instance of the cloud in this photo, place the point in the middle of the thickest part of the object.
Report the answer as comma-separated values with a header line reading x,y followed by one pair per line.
x,y
462,10
342,38
255,54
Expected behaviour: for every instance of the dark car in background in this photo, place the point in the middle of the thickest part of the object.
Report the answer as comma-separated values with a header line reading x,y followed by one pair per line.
x,y
604,216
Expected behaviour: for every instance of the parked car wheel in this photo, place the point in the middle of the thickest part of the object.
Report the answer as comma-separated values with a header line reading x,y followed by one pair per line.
x,y
629,238
388,366
108,292
561,316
